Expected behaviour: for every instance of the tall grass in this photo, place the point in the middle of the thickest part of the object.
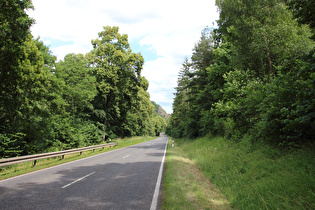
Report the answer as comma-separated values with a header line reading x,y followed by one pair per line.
x,y
256,176
186,187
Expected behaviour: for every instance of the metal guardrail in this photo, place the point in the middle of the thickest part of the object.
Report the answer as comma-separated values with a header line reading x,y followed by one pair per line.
x,y
25,158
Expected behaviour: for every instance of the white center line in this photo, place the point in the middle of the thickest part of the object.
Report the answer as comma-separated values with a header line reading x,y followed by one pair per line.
x,y
126,156
78,180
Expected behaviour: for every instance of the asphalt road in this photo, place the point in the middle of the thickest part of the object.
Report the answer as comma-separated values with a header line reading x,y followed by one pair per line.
x,y
126,178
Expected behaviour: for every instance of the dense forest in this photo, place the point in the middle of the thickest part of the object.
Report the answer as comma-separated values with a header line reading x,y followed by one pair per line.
x,y
81,100
252,76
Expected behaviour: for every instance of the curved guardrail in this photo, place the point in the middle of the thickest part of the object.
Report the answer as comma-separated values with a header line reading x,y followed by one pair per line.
x,y
25,158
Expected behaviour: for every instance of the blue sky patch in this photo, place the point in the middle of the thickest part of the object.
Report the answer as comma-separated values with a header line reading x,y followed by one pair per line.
x,y
146,51
53,43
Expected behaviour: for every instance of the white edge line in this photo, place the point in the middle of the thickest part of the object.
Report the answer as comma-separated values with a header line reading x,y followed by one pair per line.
x,y
78,180
158,182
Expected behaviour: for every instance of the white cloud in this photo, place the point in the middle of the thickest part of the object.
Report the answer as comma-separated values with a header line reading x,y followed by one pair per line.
x,y
169,27
62,51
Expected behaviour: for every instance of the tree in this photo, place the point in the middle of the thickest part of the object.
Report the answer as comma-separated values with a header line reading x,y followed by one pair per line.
x,y
79,84
117,71
14,32
199,97
140,117
180,105
25,109
263,33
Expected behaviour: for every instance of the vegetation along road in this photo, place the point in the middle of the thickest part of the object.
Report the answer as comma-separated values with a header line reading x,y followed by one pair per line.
x,y
121,179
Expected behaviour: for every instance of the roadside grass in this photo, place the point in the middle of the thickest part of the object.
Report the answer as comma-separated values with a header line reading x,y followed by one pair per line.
x,y
26,167
256,176
185,186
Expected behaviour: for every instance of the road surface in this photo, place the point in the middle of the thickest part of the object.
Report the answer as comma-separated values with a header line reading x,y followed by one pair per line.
x,y
126,178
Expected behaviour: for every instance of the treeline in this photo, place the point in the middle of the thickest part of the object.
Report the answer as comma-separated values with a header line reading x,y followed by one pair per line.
x,y
82,100
252,77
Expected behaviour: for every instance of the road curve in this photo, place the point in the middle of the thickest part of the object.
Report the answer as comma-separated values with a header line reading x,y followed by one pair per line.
x,y
125,178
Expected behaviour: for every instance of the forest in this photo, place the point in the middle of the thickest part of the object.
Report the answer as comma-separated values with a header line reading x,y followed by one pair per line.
x,y
84,99
252,76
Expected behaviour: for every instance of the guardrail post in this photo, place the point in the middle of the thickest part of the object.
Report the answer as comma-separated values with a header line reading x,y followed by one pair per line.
x,y
63,157
80,153
35,161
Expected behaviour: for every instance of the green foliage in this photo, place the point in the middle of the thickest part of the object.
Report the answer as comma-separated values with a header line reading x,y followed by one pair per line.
x,y
159,125
117,71
288,107
242,95
79,85
177,123
14,27
140,118
10,145
263,33
25,109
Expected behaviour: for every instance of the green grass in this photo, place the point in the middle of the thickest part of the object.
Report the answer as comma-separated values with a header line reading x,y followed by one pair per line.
x,y
26,167
185,187
256,176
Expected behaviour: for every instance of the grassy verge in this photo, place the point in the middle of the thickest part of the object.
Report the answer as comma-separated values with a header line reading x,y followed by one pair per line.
x,y
26,167
185,186
256,176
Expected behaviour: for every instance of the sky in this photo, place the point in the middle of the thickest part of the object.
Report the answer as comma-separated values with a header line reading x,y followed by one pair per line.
x,y
163,31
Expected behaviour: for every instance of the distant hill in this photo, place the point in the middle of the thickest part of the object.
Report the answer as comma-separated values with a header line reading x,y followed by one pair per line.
x,y
160,111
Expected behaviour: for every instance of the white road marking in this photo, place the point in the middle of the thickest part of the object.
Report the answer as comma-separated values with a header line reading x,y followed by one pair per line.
x,y
158,183
126,156
78,180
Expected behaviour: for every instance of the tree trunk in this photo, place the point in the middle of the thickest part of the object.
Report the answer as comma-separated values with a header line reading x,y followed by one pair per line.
x,y
105,126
